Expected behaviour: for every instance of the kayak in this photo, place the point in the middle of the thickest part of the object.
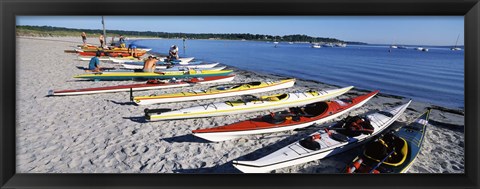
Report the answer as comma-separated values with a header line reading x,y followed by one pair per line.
x,y
294,118
151,75
393,152
152,84
113,54
162,66
172,69
215,92
88,58
140,63
342,136
115,49
108,50
249,103
162,59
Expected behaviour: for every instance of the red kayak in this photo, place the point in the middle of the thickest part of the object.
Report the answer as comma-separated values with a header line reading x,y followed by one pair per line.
x,y
151,84
112,54
294,118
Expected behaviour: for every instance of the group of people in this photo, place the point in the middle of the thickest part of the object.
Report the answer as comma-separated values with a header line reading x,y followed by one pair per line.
x,y
149,64
101,38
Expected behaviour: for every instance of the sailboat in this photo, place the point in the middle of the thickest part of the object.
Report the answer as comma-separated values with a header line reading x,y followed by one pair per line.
x,y
456,48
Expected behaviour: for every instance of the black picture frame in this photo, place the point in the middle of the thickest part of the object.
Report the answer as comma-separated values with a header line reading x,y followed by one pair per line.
x,y
470,9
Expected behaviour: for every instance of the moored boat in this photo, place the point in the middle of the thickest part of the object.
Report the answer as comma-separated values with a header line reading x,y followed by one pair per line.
x,y
340,137
316,46
294,118
247,104
393,152
215,92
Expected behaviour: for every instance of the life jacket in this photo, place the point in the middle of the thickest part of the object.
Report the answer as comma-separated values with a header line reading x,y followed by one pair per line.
x,y
355,166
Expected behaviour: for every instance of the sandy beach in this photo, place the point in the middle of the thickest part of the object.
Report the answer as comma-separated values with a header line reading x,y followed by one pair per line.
x,y
106,133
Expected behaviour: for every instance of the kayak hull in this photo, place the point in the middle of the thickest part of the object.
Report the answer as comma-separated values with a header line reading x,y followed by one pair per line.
x,y
124,60
160,66
111,54
295,153
88,58
113,76
201,95
237,107
140,87
172,69
259,126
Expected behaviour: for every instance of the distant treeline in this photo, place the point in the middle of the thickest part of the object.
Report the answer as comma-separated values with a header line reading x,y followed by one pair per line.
x,y
60,31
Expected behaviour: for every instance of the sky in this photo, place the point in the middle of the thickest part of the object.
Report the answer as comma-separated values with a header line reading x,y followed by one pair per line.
x,y
406,30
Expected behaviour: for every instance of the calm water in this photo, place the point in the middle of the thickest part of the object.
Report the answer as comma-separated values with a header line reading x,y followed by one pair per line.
x,y
436,76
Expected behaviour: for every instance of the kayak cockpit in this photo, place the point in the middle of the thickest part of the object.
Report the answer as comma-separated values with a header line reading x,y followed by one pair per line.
x,y
314,109
310,142
353,126
380,148
277,97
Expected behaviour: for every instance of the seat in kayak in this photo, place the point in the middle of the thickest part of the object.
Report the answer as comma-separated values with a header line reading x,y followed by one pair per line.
x,y
310,142
354,126
276,117
275,97
315,109
380,148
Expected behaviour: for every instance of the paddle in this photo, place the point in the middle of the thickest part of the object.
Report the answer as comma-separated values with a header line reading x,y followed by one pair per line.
x,y
383,160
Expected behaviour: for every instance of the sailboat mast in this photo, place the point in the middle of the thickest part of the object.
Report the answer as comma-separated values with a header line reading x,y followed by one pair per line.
x,y
104,32
457,41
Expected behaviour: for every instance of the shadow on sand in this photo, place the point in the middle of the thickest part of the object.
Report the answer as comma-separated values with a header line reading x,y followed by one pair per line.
x,y
185,138
223,168
139,119
123,103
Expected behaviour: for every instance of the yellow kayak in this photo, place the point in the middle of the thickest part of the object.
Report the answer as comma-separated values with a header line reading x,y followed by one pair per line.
x,y
216,92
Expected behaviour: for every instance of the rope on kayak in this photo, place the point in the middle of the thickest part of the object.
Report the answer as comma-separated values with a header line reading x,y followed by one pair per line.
x,y
383,160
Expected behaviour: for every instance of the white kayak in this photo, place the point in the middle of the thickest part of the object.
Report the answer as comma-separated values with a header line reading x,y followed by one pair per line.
x,y
88,58
123,60
215,92
338,138
248,104
175,67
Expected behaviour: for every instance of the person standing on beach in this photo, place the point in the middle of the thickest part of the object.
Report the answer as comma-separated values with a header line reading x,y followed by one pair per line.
x,y
102,39
94,65
84,38
132,49
113,41
150,64
122,41
173,53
